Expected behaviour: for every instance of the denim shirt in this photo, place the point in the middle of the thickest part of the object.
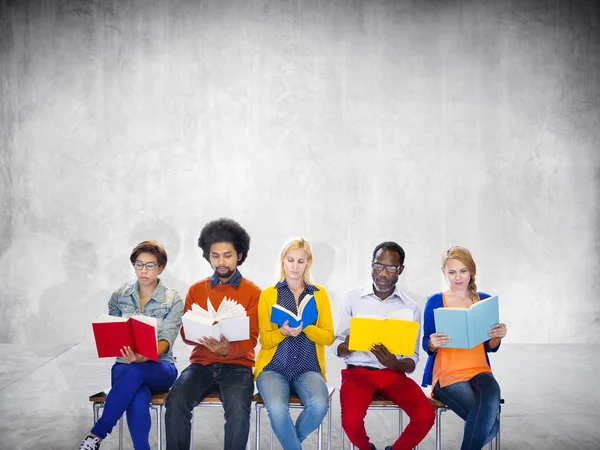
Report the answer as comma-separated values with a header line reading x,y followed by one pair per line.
x,y
165,305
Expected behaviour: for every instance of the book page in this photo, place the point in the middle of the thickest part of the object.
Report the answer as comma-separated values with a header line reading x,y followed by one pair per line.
x,y
401,314
303,303
108,318
228,309
201,315
287,312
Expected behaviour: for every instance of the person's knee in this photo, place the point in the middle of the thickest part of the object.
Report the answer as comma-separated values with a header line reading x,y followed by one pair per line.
x,y
277,408
317,406
141,400
424,415
351,420
237,410
178,398
127,373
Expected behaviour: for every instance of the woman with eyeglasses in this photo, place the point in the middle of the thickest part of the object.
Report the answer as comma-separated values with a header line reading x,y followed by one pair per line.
x,y
292,359
462,378
133,376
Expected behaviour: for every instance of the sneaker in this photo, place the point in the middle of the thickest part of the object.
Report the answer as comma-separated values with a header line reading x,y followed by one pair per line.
x,y
89,443
373,447
389,447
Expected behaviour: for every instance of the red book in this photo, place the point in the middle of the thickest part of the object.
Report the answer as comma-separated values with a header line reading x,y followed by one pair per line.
x,y
138,332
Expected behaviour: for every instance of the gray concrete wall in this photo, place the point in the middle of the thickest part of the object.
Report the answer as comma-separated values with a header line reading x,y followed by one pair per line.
x,y
350,122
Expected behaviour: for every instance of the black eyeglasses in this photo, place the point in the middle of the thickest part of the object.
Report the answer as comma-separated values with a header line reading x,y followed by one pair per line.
x,y
379,267
149,265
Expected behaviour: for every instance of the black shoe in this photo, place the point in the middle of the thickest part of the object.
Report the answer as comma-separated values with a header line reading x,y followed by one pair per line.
x,y
373,447
389,447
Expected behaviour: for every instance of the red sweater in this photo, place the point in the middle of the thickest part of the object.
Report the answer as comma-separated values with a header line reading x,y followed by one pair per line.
x,y
240,352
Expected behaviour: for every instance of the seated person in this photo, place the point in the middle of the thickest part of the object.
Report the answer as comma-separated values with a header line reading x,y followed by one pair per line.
x,y
292,359
379,371
133,376
462,378
218,365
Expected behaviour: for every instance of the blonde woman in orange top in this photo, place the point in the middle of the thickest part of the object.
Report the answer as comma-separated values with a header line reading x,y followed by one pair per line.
x,y
462,378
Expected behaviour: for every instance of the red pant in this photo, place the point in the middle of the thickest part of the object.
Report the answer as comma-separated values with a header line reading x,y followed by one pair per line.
x,y
357,391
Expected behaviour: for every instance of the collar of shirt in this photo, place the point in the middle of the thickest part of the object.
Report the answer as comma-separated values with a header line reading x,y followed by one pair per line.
x,y
368,291
158,295
310,288
235,280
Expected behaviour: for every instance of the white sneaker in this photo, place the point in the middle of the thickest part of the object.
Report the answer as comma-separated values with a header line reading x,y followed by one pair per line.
x,y
89,443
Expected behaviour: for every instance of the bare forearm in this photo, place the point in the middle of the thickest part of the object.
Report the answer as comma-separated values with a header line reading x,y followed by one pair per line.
x,y
403,365
494,343
163,346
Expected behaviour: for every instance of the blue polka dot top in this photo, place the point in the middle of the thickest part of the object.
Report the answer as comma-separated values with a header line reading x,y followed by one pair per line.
x,y
295,355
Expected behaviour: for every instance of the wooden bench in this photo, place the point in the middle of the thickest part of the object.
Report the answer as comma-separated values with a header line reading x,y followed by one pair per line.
x,y
440,407
380,403
294,403
157,402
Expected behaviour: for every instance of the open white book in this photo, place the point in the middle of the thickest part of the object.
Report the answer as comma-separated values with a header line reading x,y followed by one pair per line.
x,y
229,320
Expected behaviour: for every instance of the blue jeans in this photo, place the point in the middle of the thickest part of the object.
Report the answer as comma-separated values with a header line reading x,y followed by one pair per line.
x,y
477,402
275,391
131,389
235,385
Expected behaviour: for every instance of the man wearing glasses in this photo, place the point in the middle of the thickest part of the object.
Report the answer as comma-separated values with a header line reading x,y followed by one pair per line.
x,y
379,371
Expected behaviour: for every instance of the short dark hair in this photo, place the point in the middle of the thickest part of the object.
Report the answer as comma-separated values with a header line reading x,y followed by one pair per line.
x,y
153,247
389,245
224,230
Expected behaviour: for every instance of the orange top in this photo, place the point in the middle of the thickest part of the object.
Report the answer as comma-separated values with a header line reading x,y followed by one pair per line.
x,y
247,294
453,365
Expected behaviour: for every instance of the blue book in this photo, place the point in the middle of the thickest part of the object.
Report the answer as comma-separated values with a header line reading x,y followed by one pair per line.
x,y
307,313
467,327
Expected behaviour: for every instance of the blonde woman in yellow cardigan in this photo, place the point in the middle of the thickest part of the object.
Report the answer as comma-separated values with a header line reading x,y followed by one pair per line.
x,y
292,360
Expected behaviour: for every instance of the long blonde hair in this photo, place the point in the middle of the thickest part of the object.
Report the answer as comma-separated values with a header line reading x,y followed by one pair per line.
x,y
292,244
464,256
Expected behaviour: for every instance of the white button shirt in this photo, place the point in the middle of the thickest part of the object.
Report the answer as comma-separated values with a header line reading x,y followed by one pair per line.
x,y
362,301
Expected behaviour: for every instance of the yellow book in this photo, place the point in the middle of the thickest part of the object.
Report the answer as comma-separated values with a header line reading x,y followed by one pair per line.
x,y
398,336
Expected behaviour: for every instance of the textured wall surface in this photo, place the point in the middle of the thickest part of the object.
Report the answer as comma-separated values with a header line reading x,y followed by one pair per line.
x,y
350,122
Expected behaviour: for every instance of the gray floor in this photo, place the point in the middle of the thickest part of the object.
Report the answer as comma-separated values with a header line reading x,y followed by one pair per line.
x,y
551,401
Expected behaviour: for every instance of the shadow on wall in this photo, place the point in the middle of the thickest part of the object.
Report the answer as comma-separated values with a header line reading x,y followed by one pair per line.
x,y
65,311
323,268
169,237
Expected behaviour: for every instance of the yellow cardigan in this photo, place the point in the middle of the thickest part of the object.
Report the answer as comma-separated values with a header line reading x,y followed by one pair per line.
x,y
269,335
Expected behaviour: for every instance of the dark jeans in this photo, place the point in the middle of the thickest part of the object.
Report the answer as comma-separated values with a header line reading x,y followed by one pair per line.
x,y
235,385
477,402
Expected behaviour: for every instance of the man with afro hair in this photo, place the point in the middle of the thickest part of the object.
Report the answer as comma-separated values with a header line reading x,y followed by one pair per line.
x,y
218,365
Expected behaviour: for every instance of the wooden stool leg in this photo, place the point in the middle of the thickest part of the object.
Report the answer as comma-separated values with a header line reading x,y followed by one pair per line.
x,y
192,431
96,407
438,428
329,426
257,418
498,435
320,437
400,422
159,425
121,433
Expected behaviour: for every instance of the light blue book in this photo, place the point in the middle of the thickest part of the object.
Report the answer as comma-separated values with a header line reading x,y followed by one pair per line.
x,y
467,327
307,313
